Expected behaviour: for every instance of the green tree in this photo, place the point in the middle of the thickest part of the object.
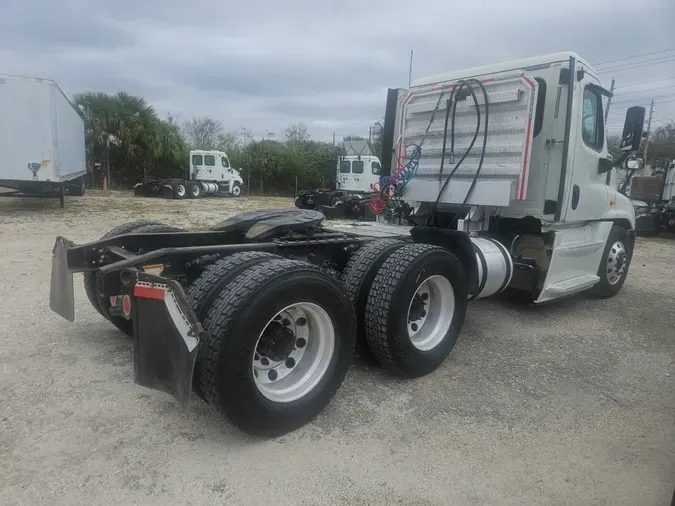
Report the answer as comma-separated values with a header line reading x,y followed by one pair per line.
x,y
613,143
124,134
376,132
662,145
202,133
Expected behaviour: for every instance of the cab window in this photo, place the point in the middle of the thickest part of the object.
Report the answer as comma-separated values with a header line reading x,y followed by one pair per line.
x,y
375,168
345,167
209,160
226,162
357,166
197,160
592,128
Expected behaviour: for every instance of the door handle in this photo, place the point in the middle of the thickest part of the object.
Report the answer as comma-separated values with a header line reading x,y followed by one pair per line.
x,y
576,191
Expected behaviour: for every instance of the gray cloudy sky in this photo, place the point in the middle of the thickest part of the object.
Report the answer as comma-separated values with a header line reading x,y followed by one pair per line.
x,y
265,64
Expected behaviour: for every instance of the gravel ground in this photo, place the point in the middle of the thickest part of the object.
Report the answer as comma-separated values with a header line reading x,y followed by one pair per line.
x,y
568,403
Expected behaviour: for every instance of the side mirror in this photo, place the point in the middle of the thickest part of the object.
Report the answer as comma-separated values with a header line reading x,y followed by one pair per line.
x,y
635,163
604,165
632,129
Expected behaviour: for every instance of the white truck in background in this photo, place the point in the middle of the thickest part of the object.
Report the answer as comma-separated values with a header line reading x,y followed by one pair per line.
x,y
355,177
209,173
42,150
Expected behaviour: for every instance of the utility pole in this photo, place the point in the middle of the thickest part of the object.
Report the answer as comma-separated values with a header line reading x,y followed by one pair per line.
x,y
370,136
333,139
609,100
649,127
410,69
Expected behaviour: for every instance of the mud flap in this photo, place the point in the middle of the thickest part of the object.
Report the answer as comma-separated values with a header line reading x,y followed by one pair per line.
x,y
61,293
166,335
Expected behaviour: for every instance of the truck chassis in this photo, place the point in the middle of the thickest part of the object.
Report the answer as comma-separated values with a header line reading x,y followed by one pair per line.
x,y
176,188
260,316
182,296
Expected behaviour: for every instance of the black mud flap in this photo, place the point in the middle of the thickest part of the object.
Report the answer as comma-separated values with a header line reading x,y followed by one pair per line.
x,y
61,293
166,334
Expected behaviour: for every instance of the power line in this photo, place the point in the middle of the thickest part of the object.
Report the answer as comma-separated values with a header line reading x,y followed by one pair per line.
x,y
645,90
632,57
629,67
645,82
638,99
663,111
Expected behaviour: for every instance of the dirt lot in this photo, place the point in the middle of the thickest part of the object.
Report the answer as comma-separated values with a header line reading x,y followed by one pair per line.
x,y
572,403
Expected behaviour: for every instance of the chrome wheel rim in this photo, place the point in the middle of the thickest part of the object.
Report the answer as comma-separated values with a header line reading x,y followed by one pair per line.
x,y
180,190
236,190
196,190
293,352
430,312
616,263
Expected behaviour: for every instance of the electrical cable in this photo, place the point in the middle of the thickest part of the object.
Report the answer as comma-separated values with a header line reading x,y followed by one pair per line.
x,y
445,136
391,187
432,214
485,135
632,57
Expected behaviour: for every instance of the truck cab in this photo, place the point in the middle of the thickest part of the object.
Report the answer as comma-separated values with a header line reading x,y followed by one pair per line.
x,y
538,178
212,166
358,173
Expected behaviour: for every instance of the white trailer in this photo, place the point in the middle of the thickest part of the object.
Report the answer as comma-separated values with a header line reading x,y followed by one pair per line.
x,y
261,315
42,150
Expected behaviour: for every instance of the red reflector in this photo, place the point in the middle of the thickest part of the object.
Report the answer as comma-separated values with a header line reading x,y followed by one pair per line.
x,y
148,292
126,305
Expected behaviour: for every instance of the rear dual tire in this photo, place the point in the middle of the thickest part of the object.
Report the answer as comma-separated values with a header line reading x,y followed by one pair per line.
x,y
357,278
400,337
410,302
249,338
194,190
180,191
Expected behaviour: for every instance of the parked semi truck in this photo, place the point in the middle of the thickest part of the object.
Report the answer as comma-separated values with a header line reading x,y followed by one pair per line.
x,y
653,199
209,173
42,152
507,177
355,176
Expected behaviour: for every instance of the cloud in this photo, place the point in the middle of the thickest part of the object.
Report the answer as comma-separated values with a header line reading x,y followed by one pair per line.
x,y
266,64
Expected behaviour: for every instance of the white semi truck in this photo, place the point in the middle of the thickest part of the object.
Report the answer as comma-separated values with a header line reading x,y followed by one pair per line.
x,y
209,173
355,176
42,151
506,170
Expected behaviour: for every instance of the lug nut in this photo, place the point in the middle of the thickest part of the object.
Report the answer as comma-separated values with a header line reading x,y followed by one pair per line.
x,y
272,375
301,322
425,296
290,362
300,343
